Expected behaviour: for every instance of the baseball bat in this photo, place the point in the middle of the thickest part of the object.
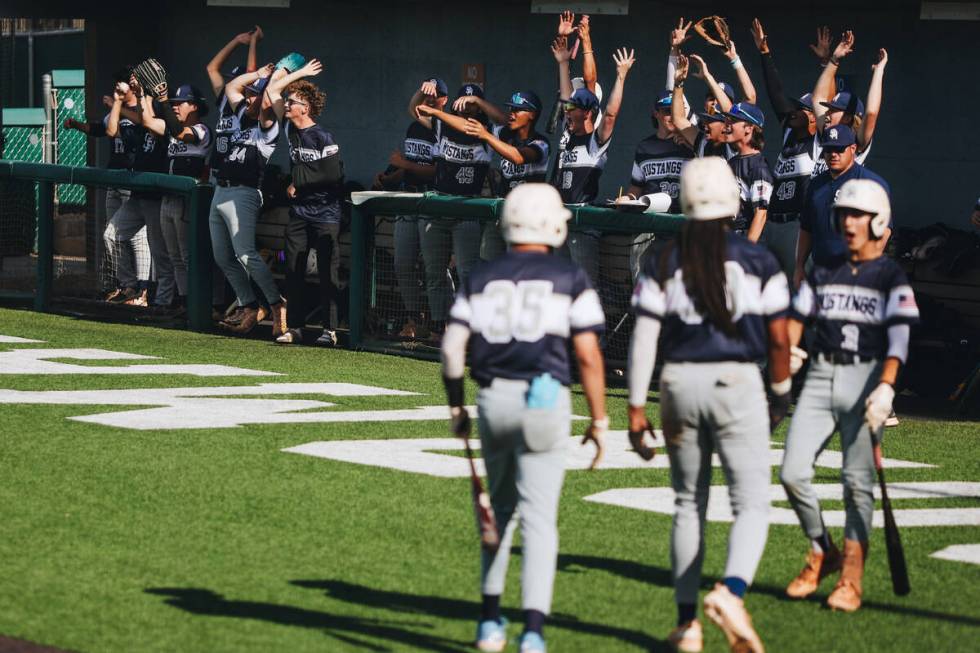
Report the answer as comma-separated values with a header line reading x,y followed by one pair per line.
x,y
896,554
486,521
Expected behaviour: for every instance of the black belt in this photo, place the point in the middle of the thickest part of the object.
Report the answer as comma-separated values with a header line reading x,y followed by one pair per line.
x,y
843,358
783,218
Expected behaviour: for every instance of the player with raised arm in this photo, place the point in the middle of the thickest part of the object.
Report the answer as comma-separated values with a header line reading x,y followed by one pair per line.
x,y
707,137
717,303
743,126
521,314
584,156
228,120
462,162
863,308
237,204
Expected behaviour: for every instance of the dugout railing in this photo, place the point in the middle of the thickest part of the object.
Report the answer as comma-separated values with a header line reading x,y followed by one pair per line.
x,y
28,224
371,276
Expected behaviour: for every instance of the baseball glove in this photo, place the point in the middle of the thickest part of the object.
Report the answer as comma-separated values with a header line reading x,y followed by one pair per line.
x,y
722,36
152,77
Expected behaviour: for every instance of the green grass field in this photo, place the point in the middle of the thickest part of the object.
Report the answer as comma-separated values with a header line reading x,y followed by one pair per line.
x,y
118,539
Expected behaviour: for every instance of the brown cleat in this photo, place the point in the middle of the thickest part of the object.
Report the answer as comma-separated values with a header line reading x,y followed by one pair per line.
x,y
846,596
279,319
818,566
250,318
141,298
409,330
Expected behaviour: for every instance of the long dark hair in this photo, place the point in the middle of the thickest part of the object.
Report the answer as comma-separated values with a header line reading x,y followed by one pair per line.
x,y
701,252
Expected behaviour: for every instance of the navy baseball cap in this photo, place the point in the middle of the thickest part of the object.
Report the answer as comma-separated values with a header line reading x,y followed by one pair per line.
x,y
746,112
258,86
470,89
837,138
664,100
725,86
805,101
442,90
524,101
711,117
190,93
584,99
840,102
235,72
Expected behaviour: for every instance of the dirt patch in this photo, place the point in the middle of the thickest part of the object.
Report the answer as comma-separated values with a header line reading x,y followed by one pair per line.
x,y
11,645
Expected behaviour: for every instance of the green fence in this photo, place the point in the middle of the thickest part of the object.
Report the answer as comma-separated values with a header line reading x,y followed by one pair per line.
x,y
72,150
197,200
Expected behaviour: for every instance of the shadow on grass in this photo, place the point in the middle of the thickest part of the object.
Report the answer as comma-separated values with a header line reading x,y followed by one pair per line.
x,y
662,577
467,610
344,628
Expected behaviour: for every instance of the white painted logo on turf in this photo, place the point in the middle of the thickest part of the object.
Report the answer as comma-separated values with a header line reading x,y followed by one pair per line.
x,y
423,457
35,361
14,340
224,407
959,553
661,500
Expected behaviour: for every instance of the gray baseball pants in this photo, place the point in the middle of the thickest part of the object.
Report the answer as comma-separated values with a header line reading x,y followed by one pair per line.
x,y
173,222
716,408
131,216
440,238
832,399
524,484
138,251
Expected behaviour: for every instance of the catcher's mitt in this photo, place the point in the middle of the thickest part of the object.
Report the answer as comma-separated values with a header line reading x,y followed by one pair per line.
x,y
152,77
722,36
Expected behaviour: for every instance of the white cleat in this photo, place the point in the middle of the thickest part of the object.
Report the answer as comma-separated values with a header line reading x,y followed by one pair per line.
x,y
728,612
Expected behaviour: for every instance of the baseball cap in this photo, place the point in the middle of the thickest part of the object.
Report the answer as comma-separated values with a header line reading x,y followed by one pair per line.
x,y
470,89
725,86
837,138
578,82
664,100
840,102
584,99
235,72
805,101
292,62
711,117
190,93
258,86
524,101
746,112
442,90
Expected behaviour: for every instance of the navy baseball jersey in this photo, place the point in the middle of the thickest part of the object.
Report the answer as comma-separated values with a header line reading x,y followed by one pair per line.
x,y
317,173
514,174
150,155
249,149
754,184
228,123
580,165
758,292
123,143
417,148
190,159
461,161
818,213
657,167
854,304
521,309
792,172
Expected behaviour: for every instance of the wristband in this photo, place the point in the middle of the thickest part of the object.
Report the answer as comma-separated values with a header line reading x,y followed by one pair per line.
x,y
680,84
584,52
781,387
834,60
737,63
454,390
601,423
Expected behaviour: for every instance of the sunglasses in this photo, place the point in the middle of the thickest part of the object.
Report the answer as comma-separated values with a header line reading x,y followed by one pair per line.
x,y
290,102
571,107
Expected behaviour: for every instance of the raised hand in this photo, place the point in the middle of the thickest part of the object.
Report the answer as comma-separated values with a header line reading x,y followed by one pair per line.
x,y
729,51
821,49
624,61
460,103
424,110
135,86
258,33
107,101
683,66
583,28
679,34
701,68
428,88
846,45
559,48
313,67
266,70
475,128
882,59
120,91
244,38
759,36
566,20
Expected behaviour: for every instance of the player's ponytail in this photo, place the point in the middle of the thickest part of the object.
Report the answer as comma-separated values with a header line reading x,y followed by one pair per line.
x,y
702,250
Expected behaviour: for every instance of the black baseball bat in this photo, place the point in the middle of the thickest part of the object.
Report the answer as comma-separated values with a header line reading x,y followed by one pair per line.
x,y
893,542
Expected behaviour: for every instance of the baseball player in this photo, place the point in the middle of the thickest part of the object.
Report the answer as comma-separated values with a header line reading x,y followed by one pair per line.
x,y
143,207
188,149
721,303
743,126
863,308
706,137
521,314
583,157
412,170
238,201
316,191
123,148
461,163
796,162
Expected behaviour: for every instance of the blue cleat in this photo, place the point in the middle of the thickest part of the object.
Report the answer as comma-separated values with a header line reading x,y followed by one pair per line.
x,y
491,635
531,642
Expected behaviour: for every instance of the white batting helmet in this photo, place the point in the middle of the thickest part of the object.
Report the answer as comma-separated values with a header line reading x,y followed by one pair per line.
x,y
534,215
867,196
709,190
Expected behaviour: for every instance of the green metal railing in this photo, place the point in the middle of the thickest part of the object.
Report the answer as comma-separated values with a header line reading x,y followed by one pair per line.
x,y
198,202
369,204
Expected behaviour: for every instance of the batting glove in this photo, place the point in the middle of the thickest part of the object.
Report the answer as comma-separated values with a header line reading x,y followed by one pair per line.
x,y
778,408
637,441
459,422
596,432
797,357
878,406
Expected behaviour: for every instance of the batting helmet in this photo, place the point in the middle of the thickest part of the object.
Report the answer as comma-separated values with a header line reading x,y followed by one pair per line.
x,y
709,190
867,196
534,215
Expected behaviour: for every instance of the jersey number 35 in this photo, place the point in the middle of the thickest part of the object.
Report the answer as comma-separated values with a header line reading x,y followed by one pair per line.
x,y
517,311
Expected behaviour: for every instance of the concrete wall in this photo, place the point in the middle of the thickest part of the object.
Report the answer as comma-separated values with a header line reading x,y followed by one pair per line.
x,y
376,53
